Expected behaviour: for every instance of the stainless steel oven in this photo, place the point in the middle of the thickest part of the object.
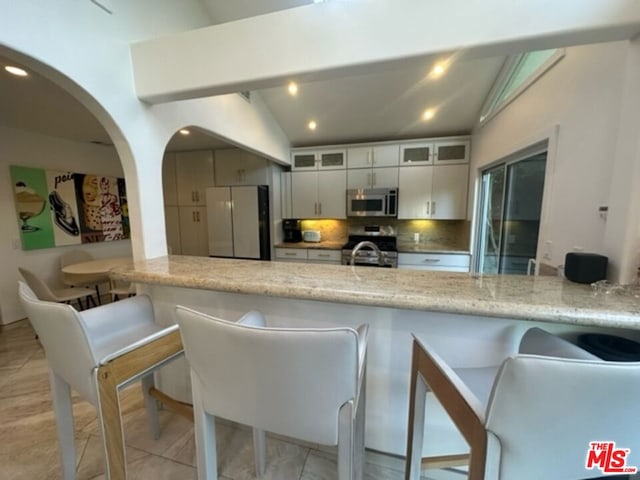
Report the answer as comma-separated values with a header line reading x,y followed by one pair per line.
x,y
371,246
372,202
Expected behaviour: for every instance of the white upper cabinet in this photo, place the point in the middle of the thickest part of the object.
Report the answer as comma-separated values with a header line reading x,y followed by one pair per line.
x,y
436,192
318,159
374,166
234,166
451,152
449,192
194,173
416,153
320,194
414,192
386,155
433,152
385,177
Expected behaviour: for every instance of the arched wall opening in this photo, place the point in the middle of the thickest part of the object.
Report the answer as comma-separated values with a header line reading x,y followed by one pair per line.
x,y
31,145
197,160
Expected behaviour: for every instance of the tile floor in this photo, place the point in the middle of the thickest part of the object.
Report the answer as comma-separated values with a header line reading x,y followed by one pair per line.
x,y
28,445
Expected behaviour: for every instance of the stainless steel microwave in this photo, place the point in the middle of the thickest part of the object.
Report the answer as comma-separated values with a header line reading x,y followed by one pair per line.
x,y
372,202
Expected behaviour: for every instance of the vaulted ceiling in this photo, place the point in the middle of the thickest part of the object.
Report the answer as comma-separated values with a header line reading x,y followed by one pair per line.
x,y
384,105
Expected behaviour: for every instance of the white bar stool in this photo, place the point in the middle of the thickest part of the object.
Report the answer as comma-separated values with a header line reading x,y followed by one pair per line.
x,y
97,352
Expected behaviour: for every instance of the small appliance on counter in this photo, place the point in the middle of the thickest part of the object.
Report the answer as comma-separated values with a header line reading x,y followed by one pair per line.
x,y
291,230
585,267
311,235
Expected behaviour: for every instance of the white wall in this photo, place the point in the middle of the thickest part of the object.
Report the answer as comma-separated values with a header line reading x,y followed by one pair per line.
x,y
86,51
33,150
582,96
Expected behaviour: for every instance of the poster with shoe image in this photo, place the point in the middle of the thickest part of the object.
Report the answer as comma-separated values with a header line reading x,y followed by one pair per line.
x,y
63,208
67,208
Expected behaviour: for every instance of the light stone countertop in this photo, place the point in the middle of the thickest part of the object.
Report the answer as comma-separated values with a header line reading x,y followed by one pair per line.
x,y
548,299
323,245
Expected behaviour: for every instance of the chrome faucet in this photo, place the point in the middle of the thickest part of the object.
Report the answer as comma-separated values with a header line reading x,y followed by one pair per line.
x,y
366,243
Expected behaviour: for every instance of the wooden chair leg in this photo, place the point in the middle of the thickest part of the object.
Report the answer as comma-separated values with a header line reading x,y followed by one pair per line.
x,y
111,421
98,294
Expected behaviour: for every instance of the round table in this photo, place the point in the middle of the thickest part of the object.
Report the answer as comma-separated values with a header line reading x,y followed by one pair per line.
x,y
96,271
100,266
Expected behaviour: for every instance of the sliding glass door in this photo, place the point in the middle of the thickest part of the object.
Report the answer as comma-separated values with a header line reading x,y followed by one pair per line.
x,y
493,181
510,211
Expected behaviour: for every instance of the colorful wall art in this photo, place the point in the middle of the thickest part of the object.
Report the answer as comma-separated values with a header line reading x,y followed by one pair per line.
x,y
67,208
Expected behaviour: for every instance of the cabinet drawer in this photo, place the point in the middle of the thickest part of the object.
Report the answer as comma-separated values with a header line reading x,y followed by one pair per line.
x,y
291,253
324,255
434,260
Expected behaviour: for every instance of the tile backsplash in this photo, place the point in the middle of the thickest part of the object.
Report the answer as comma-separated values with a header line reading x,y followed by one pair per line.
x,y
445,233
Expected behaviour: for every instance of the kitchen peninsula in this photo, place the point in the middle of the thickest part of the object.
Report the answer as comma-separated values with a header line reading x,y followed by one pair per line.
x,y
475,321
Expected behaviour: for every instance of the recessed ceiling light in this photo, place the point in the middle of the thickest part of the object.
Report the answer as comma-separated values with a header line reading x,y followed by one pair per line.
x,y
16,71
428,114
437,70
293,89
312,125
318,1
184,131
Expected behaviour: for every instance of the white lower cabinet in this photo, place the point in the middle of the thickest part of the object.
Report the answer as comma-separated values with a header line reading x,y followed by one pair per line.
x,y
308,255
291,254
317,255
193,231
443,262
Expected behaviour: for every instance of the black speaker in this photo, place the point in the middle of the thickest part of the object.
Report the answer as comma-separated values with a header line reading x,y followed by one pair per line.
x,y
585,267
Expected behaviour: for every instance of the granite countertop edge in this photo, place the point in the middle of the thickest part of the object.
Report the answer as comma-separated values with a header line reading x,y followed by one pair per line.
x,y
545,299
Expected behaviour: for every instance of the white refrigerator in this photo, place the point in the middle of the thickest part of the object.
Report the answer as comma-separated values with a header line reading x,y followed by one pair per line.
x,y
238,222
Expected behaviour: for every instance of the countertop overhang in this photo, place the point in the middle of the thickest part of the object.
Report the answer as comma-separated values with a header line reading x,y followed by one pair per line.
x,y
541,298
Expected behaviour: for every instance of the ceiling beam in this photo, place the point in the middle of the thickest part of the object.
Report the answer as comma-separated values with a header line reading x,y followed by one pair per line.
x,y
351,37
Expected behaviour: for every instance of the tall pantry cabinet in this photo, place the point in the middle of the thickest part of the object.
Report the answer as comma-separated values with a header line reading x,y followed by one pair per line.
x,y
185,177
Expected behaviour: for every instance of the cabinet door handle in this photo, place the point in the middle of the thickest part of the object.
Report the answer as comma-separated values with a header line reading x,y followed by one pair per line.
x,y
198,216
193,216
290,254
431,260
433,208
323,255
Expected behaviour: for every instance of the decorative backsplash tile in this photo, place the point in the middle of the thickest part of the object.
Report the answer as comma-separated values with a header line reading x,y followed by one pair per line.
x,y
453,234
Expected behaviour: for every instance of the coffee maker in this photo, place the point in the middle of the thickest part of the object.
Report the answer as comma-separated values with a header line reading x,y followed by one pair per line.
x,y
291,230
